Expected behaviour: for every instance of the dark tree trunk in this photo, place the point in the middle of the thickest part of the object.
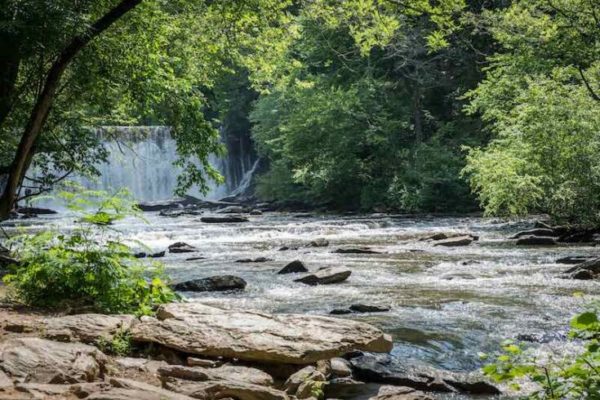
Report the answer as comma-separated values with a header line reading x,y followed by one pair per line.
x,y
44,101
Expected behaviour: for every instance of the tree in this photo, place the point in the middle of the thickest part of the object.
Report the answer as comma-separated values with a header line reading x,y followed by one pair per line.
x,y
540,102
67,67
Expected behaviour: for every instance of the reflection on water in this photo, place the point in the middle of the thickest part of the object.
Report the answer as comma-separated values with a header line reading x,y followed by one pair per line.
x,y
448,304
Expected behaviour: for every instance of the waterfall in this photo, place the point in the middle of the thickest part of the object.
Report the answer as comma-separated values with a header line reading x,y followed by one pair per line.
x,y
142,160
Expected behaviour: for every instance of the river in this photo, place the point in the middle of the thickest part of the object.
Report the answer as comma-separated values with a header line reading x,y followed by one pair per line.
x,y
447,304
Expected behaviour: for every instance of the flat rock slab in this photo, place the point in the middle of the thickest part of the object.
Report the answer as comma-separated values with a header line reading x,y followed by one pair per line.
x,y
87,328
224,372
44,361
326,276
199,329
214,390
126,389
455,241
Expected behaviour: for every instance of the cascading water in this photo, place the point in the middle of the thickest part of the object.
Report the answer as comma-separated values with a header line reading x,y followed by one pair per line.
x,y
143,158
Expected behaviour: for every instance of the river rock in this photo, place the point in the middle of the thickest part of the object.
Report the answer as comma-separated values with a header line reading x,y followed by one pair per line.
x,y
44,361
319,242
292,384
573,260
228,389
254,260
340,367
585,271
313,383
224,219
340,311
326,276
202,362
256,212
455,241
382,368
127,389
225,372
356,250
286,248
36,211
536,241
366,308
535,232
232,210
181,247
400,393
219,283
86,328
293,267
158,254
195,258
203,330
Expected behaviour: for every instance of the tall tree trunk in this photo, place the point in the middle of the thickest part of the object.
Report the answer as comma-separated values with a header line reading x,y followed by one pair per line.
x,y
42,106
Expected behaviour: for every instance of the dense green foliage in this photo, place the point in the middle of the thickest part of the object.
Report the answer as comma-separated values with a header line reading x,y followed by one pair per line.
x,y
564,378
540,101
88,267
378,127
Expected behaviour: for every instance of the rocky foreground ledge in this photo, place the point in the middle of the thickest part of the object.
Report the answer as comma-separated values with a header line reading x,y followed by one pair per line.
x,y
192,350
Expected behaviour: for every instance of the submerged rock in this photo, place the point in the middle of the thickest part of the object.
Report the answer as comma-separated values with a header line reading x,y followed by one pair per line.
x,y
217,283
356,250
223,219
319,242
293,267
45,361
366,308
181,247
254,260
381,368
573,260
455,241
536,241
326,276
196,328
340,311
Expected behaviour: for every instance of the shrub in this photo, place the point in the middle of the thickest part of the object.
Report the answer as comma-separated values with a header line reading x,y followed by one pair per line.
x,y
568,377
88,267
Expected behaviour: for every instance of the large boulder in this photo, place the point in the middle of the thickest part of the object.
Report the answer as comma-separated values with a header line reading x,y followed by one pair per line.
x,y
382,368
536,241
43,361
326,276
127,389
181,247
573,260
196,328
219,283
225,219
87,328
294,267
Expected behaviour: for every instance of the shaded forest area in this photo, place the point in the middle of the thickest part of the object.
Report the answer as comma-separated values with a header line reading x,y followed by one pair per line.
x,y
366,105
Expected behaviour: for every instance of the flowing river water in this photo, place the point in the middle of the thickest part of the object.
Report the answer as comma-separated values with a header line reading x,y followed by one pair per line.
x,y
447,304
